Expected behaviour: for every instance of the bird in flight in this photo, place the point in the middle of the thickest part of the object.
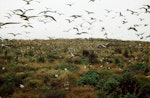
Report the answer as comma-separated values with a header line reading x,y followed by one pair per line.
x,y
132,28
69,4
88,12
28,1
91,0
14,34
48,16
6,23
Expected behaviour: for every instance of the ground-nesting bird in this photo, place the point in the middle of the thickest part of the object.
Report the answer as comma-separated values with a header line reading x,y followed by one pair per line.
x,y
6,23
132,28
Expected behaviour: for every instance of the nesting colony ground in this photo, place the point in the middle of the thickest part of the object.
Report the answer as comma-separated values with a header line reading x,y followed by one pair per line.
x,y
74,68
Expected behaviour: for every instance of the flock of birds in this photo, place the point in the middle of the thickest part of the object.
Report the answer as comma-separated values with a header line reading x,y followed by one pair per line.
x,y
46,16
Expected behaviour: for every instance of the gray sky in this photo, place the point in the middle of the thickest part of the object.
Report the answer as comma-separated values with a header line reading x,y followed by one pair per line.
x,y
111,21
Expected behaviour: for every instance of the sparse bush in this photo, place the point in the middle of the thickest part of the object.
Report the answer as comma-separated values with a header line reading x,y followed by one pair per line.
x,y
139,68
93,58
119,61
9,84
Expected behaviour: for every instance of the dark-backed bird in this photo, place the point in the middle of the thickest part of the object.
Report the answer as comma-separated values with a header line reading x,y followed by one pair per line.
x,y
148,6
139,34
76,28
6,23
27,25
108,11
28,17
123,22
22,11
69,21
132,28
48,16
76,16
88,12
29,1
146,9
132,12
69,4
147,36
91,0
14,34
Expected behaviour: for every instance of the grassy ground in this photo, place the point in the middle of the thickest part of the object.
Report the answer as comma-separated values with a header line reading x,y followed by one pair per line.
x,y
73,68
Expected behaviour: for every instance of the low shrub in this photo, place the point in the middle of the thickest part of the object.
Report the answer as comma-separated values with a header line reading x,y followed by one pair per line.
x,y
90,78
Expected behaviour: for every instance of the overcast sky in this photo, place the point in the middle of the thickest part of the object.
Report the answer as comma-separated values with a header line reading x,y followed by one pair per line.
x,y
99,24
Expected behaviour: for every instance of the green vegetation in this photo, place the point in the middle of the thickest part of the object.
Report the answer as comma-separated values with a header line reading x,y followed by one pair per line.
x,y
74,68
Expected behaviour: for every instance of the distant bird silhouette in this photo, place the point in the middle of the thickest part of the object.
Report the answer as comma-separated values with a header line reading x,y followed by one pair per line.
x,y
145,25
22,11
44,21
91,0
132,28
78,33
148,6
27,25
48,16
146,9
103,29
69,21
120,14
139,34
108,11
6,23
141,19
14,34
88,12
29,1
148,36
123,22
132,12
28,17
76,16
67,30
76,28
70,4
8,15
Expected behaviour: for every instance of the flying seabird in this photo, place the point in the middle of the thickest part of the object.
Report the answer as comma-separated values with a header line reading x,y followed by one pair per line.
x,y
132,28
6,23
48,16
14,34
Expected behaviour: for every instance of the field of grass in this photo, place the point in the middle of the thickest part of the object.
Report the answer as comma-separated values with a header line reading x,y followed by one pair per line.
x,y
74,68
